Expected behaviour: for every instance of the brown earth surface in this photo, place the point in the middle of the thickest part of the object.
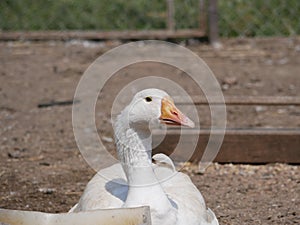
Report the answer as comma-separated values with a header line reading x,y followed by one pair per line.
x,y
42,169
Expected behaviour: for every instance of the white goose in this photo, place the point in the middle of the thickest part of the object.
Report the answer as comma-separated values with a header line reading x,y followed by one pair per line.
x,y
136,181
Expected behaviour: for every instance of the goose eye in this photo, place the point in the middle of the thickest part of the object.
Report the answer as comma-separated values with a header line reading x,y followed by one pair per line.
x,y
148,99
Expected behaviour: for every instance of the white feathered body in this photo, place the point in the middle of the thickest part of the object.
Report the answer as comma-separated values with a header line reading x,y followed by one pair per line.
x,y
186,199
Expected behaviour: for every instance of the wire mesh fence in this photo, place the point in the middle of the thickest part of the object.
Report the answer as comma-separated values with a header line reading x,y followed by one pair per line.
x,y
259,18
236,17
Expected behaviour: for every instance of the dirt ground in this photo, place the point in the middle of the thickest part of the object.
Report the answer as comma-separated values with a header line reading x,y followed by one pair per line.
x,y
42,169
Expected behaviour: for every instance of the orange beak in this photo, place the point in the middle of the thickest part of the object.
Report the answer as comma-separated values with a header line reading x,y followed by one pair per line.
x,y
172,116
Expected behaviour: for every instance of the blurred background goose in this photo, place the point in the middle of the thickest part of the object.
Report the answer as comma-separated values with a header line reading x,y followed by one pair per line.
x,y
172,197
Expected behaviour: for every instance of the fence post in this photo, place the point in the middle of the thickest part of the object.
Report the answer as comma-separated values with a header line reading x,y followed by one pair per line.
x,y
171,12
203,15
213,23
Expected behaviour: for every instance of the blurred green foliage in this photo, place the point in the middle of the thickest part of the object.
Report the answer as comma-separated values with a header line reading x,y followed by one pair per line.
x,y
81,14
237,17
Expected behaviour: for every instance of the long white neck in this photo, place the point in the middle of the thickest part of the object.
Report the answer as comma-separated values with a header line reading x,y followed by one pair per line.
x,y
134,146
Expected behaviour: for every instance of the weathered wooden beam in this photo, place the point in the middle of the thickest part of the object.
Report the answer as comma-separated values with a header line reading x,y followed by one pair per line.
x,y
239,145
243,100
99,35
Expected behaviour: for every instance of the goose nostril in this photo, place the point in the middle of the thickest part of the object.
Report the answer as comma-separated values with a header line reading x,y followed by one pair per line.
x,y
174,113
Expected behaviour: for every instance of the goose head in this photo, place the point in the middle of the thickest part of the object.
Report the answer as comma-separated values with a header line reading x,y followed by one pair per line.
x,y
133,136
155,106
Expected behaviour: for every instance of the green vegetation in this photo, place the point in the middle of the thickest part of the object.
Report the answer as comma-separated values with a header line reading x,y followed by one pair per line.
x,y
237,17
81,14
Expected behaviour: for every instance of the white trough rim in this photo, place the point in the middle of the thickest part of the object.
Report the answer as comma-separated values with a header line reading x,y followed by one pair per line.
x,y
119,216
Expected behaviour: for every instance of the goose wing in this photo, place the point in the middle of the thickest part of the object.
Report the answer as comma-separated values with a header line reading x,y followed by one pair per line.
x,y
183,194
107,189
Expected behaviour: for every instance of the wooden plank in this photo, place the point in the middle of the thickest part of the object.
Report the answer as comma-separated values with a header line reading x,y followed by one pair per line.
x,y
99,35
242,100
239,145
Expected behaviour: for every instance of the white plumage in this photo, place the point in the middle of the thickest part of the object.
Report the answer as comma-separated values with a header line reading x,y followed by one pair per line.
x,y
172,197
